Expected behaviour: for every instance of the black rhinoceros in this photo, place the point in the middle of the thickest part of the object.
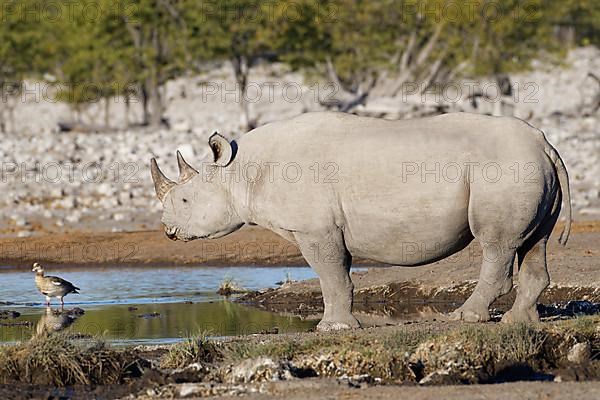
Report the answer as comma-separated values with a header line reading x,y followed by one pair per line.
x,y
340,186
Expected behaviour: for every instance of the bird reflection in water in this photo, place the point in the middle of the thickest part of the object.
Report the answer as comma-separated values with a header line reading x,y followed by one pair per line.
x,y
53,321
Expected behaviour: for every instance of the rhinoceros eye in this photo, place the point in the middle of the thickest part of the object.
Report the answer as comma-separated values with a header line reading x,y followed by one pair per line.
x,y
185,200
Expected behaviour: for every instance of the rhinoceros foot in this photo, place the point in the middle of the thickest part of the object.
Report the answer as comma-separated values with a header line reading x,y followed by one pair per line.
x,y
513,316
339,324
468,313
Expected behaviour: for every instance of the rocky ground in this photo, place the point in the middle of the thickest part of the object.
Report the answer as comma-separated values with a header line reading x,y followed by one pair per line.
x,y
58,182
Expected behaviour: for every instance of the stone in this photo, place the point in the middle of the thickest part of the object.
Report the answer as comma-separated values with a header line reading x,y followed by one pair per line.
x,y
190,389
21,222
259,369
73,217
119,217
182,126
580,353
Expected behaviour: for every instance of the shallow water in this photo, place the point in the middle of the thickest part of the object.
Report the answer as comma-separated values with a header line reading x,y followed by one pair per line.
x,y
117,302
155,323
103,286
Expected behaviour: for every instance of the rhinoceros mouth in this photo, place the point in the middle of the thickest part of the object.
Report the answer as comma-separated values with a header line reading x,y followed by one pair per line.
x,y
172,233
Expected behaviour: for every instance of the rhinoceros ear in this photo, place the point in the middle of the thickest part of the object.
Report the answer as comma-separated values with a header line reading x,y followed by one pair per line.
x,y
222,150
186,171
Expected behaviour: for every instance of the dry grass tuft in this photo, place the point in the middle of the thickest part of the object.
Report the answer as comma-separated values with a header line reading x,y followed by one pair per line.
x,y
474,353
52,359
463,354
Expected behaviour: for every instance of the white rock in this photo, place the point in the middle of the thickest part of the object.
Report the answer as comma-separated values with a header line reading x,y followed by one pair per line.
x,y
259,369
21,222
589,211
73,217
580,353
182,126
105,189
119,217
190,389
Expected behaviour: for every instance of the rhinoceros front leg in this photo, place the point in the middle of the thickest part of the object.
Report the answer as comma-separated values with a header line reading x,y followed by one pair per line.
x,y
327,255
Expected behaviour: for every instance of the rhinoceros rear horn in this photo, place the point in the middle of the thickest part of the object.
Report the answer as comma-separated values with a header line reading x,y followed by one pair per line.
x,y
222,150
186,171
162,184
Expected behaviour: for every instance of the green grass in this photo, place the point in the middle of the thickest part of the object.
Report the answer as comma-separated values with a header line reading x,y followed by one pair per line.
x,y
229,286
194,349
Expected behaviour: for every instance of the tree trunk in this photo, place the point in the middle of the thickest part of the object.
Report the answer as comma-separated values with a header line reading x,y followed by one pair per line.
x,y
2,122
155,101
127,109
145,104
106,112
345,99
153,80
241,69
151,103
11,118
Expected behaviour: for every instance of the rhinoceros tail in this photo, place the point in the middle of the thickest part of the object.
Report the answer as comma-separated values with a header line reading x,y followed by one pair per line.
x,y
563,179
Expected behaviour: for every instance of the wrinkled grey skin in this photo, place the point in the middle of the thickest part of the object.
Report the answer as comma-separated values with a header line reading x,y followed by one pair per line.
x,y
399,192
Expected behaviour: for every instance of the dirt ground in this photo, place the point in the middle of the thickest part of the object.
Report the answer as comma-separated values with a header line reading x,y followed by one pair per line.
x,y
248,246
572,264
331,389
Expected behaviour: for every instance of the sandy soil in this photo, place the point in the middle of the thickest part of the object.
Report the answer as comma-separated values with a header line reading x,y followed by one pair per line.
x,y
249,246
258,246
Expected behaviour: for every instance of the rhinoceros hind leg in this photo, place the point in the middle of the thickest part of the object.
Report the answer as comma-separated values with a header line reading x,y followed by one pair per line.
x,y
495,280
533,279
327,255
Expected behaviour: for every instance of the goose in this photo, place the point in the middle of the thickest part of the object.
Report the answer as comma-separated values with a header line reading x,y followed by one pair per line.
x,y
52,286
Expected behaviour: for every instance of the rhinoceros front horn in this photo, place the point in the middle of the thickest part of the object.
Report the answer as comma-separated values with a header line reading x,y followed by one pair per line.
x,y
186,171
162,184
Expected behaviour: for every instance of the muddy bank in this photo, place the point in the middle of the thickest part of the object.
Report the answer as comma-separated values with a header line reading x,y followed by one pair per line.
x,y
399,302
439,287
